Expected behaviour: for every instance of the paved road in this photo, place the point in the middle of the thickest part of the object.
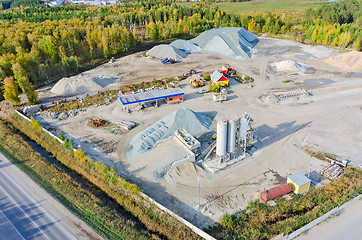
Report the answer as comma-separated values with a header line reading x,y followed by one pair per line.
x,y
28,212
347,225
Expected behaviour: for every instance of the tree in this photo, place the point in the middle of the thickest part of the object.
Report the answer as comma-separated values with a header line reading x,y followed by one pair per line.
x,y
24,83
11,90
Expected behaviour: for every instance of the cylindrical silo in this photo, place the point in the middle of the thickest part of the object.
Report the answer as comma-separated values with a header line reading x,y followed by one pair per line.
x,y
231,136
221,140
243,128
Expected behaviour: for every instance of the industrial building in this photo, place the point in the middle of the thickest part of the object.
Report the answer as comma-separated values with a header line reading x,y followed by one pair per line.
x,y
299,182
171,95
219,79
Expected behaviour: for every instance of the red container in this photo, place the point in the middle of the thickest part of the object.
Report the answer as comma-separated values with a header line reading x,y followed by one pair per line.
x,y
275,192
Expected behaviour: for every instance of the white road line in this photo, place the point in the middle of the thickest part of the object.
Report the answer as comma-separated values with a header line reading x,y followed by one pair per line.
x,y
12,224
23,211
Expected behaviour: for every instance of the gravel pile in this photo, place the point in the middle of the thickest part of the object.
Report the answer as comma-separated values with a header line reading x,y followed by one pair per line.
x,y
349,61
163,51
185,46
319,51
292,67
230,41
81,83
184,118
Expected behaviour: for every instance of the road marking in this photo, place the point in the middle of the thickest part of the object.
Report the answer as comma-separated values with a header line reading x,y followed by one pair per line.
x,y
12,224
23,211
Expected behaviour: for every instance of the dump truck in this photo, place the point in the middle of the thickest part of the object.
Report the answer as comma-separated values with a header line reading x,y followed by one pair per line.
x,y
195,81
172,84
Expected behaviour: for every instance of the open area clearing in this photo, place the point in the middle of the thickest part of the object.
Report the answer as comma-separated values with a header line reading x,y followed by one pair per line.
x,y
329,119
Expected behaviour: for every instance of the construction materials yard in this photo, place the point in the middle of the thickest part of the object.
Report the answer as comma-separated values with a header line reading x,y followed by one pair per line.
x,y
298,98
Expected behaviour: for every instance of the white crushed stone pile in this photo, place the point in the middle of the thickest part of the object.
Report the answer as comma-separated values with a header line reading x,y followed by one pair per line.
x,y
230,41
81,83
291,66
163,51
185,46
349,61
184,118
319,51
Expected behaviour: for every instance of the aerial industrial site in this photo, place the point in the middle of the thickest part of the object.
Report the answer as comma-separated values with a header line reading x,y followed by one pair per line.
x,y
201,153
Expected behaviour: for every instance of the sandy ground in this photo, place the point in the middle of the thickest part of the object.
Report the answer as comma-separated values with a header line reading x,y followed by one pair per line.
x,y
330,120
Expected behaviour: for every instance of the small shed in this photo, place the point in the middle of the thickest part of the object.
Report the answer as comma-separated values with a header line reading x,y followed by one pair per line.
x,y
220,79
299,182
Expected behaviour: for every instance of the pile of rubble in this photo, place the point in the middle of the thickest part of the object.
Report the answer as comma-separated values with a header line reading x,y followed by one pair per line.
x,y
50,115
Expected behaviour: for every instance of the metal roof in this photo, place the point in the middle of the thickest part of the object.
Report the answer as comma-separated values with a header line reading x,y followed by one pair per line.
x,y
216,76
151,95
299,178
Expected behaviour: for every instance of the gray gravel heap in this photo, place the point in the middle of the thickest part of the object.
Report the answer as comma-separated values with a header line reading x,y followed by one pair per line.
x,y
184,118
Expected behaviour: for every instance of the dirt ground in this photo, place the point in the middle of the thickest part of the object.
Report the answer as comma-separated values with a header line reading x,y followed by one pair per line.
x,y
330,120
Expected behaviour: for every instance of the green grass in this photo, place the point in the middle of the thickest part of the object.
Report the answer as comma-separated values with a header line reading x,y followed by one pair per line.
x,y
268,5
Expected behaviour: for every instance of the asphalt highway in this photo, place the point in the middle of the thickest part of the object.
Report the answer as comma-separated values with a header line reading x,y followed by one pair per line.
x,y
28,212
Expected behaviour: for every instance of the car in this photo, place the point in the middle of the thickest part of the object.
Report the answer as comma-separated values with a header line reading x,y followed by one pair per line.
x,y
202,91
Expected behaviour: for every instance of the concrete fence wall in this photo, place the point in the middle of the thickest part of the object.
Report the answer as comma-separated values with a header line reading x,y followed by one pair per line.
x,y
197,230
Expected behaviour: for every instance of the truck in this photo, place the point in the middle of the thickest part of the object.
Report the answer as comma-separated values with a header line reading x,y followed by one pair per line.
x,y
221,96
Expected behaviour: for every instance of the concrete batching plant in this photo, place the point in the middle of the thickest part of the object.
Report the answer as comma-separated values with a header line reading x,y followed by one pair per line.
x,y
233,134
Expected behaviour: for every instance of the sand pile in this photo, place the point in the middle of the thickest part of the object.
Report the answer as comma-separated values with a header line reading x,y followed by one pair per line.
x,y
230,41
185,46
291,66
319,51
163,51
81,84
184,118
349,61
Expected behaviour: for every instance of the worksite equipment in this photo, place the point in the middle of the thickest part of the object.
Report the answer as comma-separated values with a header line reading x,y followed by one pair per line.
x,y
228,71
221,96
275,192
195,81
168,61
190,72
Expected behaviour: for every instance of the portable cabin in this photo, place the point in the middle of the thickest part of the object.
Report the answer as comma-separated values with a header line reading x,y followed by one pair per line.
x,y
299,182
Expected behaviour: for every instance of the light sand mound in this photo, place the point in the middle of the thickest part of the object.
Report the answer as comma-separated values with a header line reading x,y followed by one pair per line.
x,y
188,169
80,84
349,61
230,41
163,51
184,118
319,51
291,66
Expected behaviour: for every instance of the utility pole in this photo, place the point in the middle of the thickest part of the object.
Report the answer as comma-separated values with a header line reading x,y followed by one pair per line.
x,y
198,180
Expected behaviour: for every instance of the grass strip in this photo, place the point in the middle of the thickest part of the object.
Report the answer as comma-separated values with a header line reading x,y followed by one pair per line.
x,y
76,198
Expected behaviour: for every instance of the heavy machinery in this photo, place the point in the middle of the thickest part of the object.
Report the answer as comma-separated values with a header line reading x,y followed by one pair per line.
x,y
168,61
228,71
195,81
172,84
190,72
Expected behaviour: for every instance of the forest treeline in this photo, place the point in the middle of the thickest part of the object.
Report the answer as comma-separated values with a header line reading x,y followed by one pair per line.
x,y
40,43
